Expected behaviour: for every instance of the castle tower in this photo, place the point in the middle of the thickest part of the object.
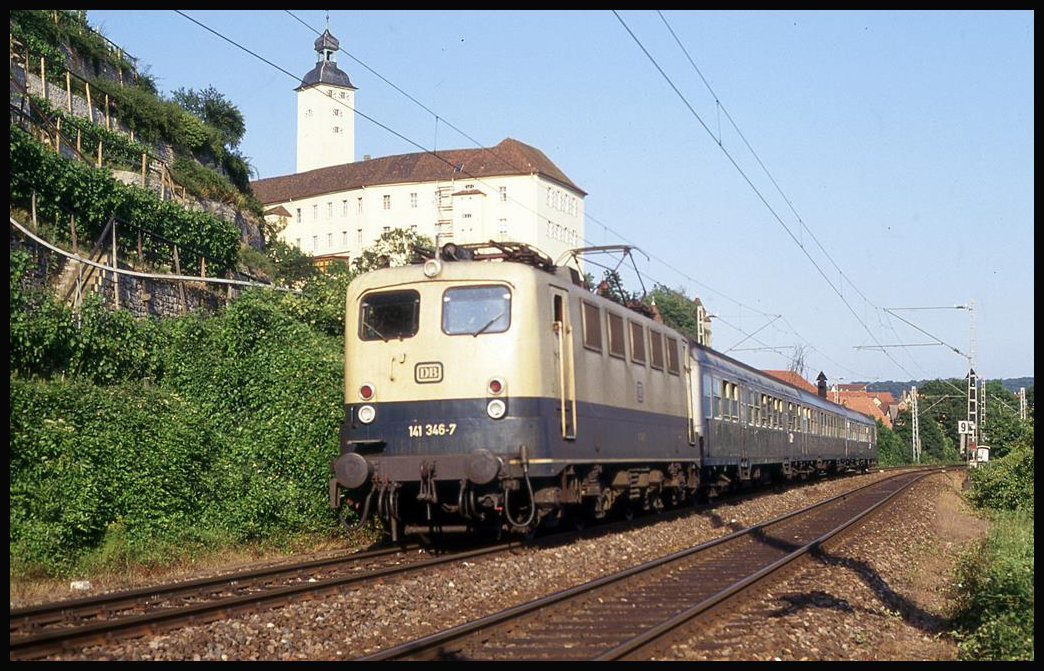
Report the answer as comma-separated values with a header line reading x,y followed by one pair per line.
x,y
325,111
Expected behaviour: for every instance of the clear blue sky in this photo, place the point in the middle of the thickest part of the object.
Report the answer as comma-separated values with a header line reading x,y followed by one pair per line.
x,y
897,150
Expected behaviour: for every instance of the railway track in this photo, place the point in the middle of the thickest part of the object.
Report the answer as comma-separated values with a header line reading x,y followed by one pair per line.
x,y
46,629
619,616
38,631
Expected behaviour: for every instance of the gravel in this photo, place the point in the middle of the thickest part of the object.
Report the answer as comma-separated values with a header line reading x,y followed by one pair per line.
x,y
881,596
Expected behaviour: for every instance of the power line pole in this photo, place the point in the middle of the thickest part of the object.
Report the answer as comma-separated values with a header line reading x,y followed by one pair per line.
x,y
971,332
982,414
1022,403
916,433
968,439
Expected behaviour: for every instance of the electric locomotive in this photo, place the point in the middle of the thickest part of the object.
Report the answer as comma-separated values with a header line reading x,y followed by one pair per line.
x,y
489,389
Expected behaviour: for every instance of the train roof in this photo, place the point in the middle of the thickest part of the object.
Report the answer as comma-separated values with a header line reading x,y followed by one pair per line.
x,y
527,255
802,393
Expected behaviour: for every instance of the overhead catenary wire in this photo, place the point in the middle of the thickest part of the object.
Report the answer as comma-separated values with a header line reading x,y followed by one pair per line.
x,y
775,215
587,214
421,147
493,152
436,155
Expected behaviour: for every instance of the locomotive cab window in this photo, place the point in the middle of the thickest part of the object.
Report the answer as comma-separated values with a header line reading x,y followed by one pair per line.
x,y
388,315
476,310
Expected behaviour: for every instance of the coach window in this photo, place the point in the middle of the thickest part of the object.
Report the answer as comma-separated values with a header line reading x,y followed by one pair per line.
x,y
616,335
672,356
476,310
638,346
707,386
730,401
389,314
717,399
656,342
592,327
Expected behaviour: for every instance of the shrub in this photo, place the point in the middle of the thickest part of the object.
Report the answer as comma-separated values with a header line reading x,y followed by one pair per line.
x,y
136,439
1006,483
995,608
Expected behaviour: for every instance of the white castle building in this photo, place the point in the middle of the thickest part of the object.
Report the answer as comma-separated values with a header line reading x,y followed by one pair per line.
x,y
334,206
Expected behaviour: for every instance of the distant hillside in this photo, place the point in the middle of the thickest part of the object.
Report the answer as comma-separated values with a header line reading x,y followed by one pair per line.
x,y
1012,384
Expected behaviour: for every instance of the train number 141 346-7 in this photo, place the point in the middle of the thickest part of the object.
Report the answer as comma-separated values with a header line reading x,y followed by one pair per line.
x,y
440,429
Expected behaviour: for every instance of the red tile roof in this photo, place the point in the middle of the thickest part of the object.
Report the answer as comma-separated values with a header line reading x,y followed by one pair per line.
x,y
278,211
885,397
510,157
790,377
861,402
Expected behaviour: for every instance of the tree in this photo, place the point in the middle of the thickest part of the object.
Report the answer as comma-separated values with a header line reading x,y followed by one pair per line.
x,y
397,247
902,429
291,266
676,309
889,447
936,446
212,108
945,401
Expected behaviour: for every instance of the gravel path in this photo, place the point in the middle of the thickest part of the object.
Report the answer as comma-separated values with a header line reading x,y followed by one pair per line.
x,y
882,596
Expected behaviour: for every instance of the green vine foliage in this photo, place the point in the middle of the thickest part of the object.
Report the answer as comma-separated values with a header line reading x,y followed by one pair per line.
x,y
43,30
119,150
64,186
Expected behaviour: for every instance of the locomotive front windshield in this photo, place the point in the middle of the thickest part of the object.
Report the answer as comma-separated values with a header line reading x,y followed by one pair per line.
x,y
476,310
389,314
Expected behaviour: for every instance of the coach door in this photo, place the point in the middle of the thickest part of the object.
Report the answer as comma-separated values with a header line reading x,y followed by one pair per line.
x,y
565,371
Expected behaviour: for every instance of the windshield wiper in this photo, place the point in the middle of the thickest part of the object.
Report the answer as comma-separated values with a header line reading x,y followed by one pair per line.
x,y
488,324
375,331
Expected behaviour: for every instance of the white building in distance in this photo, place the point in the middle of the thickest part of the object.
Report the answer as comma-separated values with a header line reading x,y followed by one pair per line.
x,y
337,207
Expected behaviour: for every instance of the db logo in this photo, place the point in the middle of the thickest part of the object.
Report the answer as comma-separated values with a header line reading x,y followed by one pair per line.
x,y
427,372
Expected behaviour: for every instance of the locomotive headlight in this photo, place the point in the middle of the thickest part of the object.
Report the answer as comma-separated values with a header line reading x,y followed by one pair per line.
x,y
366,414
496,408
432,268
